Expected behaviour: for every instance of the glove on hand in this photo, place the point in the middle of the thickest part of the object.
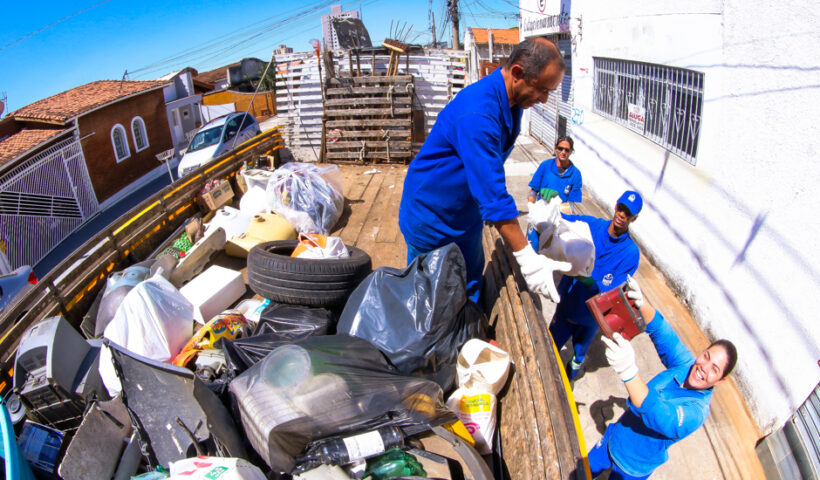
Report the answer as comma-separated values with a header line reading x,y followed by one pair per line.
x,y
537,270
543,214
548,193
621,356
633,291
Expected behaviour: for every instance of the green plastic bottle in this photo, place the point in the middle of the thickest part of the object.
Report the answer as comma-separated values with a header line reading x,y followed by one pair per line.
x,y
394,463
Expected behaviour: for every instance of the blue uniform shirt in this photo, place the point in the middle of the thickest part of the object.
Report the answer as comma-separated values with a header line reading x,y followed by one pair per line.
x,y
457,179
615,258
567,184
640,439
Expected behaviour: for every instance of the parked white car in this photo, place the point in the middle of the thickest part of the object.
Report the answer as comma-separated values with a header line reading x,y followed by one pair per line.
x,y
215,138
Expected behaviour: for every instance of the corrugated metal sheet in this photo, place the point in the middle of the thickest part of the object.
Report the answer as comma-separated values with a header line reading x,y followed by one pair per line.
x,y
565,93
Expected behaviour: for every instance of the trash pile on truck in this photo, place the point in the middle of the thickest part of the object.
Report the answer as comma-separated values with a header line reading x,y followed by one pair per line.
x,y
309,366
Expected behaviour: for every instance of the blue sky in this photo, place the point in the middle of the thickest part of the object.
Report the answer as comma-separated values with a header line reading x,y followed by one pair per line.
x,y
103,38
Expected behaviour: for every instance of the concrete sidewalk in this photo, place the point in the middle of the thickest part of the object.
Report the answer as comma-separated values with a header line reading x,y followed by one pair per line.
x,y
599,395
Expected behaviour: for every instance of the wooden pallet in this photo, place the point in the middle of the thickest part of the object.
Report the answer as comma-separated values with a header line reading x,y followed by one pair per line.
x,y
368,119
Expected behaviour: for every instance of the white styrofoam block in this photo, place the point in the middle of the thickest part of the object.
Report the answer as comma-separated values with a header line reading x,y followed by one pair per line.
x,y
213,291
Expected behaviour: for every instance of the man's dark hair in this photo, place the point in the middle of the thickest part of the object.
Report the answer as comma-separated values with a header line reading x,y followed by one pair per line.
x,y
731,355
533,54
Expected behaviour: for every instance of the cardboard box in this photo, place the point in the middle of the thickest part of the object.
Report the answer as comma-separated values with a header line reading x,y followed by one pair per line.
x,y
216,197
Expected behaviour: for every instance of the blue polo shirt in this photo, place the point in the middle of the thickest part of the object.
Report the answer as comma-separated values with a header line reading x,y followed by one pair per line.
x,y
615,258
567,184
457,180
640,439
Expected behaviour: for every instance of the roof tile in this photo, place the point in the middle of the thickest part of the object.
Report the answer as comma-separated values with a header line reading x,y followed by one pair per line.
x,y
500,35
71,103
24,140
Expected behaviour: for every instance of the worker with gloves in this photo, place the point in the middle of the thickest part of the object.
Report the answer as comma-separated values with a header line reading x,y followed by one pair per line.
x,y
556,177
616,256
671,406
457,180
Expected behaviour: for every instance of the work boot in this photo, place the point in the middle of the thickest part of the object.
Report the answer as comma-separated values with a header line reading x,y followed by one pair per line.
x,y
573,369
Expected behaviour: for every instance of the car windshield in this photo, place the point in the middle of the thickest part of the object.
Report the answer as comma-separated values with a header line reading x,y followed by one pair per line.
x,y
205,138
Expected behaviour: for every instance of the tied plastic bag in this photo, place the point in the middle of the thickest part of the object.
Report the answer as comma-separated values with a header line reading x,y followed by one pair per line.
x,y
482,366
477,411
313,245
308,196
209,468
154,321
323,386
419,316
293,322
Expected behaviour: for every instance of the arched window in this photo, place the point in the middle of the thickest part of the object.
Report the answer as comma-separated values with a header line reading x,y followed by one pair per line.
x,y
119,142
139,133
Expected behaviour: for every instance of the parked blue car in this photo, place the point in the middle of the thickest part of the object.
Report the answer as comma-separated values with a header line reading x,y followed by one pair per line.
x,y
14,283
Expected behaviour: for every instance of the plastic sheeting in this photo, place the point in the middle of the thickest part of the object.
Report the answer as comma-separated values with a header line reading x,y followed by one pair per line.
x,y
308,196
324,386
419,317
291,322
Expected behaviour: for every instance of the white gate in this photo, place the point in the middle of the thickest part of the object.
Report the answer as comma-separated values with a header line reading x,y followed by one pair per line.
x,y
43,200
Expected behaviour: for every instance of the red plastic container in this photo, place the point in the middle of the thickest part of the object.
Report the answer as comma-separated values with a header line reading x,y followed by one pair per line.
x,y
614,312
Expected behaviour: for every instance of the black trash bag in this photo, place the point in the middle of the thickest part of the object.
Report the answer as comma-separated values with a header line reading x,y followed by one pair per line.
x,y
418,317
292,322
323,386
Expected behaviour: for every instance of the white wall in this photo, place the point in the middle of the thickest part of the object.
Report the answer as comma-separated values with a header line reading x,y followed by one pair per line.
x,y
737,233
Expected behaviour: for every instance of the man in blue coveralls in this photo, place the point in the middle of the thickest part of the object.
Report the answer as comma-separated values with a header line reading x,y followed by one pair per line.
x,y
671,406
616,256
457,181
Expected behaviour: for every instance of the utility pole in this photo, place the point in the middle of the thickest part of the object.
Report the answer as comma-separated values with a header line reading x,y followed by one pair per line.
x,y
454,19
432,21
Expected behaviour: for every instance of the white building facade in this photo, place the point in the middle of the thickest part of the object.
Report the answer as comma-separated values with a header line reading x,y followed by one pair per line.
x,y
706,109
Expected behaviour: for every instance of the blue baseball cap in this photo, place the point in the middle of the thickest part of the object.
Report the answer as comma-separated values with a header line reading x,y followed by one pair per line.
x,y
632,200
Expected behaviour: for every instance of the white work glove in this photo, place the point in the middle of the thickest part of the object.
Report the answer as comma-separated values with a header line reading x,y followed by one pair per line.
x,y
621,356
543,215
537,270
633,291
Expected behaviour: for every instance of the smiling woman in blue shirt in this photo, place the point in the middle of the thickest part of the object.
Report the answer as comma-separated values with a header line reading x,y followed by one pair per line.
x,y
671,406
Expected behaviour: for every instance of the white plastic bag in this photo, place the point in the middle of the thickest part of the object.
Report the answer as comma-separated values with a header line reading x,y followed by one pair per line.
x,y
482,366
308,196
570,242
154,320
477,411
223,468
333,248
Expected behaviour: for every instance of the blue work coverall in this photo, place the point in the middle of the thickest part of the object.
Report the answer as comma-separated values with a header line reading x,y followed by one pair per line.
x,y
457,181
637,443
567,184
615,258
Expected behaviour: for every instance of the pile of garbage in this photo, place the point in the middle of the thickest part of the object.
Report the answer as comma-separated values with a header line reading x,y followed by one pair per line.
x,y
322,369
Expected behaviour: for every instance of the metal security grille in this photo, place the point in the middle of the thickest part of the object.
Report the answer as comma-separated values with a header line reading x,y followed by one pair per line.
x,y
806,425
43,200
669,100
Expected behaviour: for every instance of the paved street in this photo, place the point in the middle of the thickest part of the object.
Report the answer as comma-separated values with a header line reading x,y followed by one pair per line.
x,y
599,395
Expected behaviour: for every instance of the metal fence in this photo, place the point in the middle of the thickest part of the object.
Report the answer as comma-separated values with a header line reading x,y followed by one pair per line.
x,y
662,103
43,200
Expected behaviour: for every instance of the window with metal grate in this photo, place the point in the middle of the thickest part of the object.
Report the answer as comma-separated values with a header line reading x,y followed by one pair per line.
x,y
661,103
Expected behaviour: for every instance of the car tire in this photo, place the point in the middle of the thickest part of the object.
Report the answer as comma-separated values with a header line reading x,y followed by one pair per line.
x,y
274,274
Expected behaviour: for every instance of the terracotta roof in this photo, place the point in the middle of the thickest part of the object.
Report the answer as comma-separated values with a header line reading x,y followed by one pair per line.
x,y
500,35
68,104
211,76
24,140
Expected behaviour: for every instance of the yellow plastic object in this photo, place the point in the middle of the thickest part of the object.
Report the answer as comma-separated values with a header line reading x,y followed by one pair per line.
x,y
227,324
459,430
265,227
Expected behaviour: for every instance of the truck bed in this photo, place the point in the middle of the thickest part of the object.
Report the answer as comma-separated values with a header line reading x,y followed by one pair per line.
x,y
537,423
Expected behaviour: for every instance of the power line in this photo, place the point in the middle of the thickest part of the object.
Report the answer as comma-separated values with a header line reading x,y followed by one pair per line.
x,y
52,24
